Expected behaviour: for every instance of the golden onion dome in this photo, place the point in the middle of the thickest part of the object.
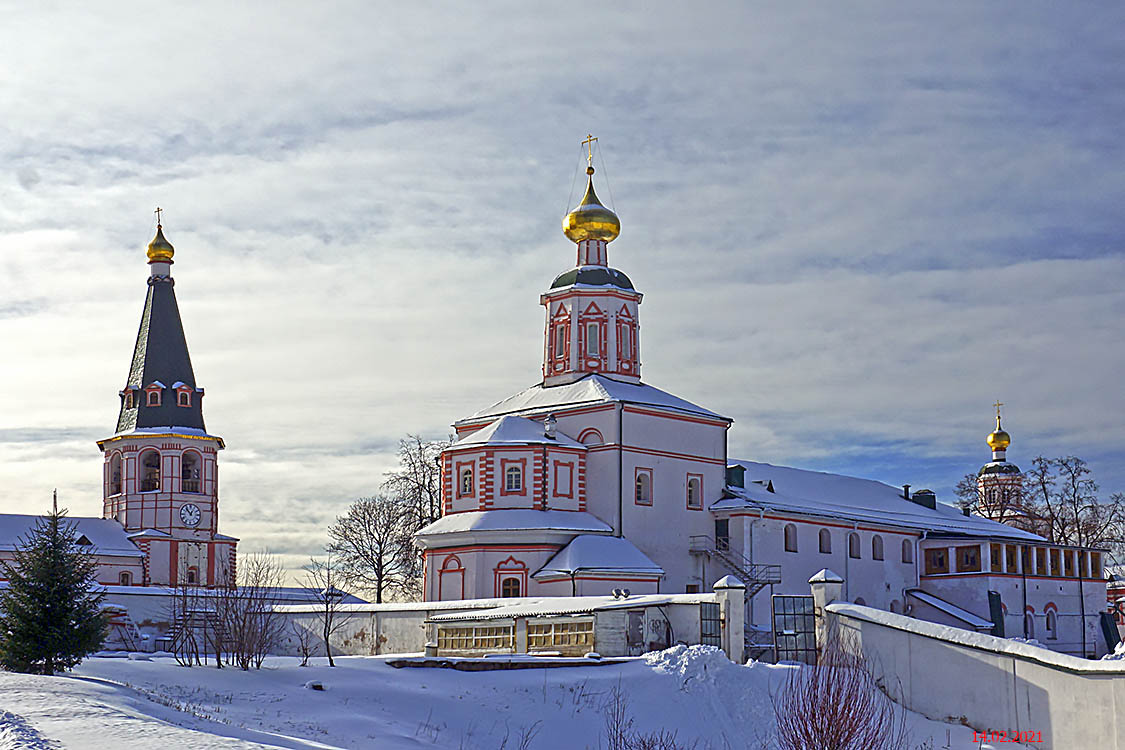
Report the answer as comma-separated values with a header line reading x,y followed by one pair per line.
x,y
590,220
160,250
999,440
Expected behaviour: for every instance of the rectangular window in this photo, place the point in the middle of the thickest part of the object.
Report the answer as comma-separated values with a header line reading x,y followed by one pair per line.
x,y
592,339
623,347
1055,569
560,339
1040,561
1068,563
1082,564
710,624
968,559
1025,558
564,479
936,561
1096,565
1011,564
512,471
464,480
576,637
491,638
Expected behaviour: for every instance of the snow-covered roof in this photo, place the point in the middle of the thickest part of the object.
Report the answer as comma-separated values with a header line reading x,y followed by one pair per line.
x,y
854,499
172,430
964,615
516,520
571,605
598,554
511,430
105,535
589,390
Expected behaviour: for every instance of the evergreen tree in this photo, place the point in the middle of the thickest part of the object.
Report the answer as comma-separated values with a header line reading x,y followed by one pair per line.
x,y
51,613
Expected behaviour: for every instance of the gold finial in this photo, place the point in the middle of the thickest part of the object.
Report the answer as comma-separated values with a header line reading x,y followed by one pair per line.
x,y
589,144
998,439
160,250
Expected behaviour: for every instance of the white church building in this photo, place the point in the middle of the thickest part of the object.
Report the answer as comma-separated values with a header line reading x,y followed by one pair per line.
x,y
594,480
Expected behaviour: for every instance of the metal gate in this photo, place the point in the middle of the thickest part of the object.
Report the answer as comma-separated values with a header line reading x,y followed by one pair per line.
x,y
794,629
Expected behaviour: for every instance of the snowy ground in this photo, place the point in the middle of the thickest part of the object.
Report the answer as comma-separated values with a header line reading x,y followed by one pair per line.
x,y
122,703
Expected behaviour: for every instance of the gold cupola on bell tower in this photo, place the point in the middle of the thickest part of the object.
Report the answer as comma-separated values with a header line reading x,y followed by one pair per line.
x,y
160,250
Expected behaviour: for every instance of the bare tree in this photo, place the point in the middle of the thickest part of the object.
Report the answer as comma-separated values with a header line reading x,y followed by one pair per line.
x,y
251,627
837,705
417,482
374,546
304,638
188,613
325,577
1064,496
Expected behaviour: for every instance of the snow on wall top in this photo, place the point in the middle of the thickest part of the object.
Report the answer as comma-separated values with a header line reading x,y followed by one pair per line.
x,y
511,430
572,605
605,554
519,519
590,389
855,499
106,536
981,641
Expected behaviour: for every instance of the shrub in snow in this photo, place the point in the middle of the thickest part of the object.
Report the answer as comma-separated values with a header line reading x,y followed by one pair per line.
x,y
837,705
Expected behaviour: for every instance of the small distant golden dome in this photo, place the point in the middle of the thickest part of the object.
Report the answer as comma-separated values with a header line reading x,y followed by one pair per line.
x,y
160,250
999,440
590,220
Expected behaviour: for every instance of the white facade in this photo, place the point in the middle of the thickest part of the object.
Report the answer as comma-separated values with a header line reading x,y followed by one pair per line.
x,y
599,453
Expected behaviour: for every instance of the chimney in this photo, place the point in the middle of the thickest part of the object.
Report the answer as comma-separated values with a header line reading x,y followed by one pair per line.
x,y
906,492
549,426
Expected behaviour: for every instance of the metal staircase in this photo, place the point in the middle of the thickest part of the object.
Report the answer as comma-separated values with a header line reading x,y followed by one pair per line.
x,y
755,576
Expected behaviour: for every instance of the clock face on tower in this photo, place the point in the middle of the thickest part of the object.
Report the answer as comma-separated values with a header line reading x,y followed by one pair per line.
x,y
189,514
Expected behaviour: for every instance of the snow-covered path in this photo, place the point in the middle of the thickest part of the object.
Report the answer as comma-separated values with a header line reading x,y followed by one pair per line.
x,y
119,703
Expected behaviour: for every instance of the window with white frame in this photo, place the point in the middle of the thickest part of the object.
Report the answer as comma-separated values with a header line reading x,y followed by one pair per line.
x,y
592,344
513,479
465,487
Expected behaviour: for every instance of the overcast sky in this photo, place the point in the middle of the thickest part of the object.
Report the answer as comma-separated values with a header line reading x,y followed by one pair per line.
x,y
856,225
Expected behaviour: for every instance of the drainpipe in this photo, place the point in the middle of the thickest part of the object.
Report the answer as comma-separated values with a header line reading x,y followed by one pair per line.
x,y
1082,610
620,469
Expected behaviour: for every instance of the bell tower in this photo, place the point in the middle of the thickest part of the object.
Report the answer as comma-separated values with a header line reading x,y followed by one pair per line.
x,y
160,477
592,309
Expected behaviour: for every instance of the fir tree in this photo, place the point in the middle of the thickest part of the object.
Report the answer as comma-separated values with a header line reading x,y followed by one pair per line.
x,y
51,612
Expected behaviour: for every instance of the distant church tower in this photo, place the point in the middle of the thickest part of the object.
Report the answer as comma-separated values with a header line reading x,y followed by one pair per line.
x,y
161,478
1000,483
592,324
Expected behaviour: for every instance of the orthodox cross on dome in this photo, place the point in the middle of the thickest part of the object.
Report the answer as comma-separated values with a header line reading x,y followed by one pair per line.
x,y
589,144
998,404
158,211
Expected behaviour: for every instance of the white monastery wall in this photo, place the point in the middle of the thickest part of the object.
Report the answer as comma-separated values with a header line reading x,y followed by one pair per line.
x,y
991,683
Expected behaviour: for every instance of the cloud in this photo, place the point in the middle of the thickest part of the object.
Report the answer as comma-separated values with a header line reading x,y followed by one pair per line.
x,y
855,228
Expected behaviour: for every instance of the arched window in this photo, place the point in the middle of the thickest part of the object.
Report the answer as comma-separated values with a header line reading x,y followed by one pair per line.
x,y
115,474
1029,625
694,494
126,578
184,398
513,479
592,348
907,551
193,575
860,601
876,547
1052,625
152,398
790,537
853,545
189,472
129,402
509,587
590,437
644,487
465,488
150,471
825,541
